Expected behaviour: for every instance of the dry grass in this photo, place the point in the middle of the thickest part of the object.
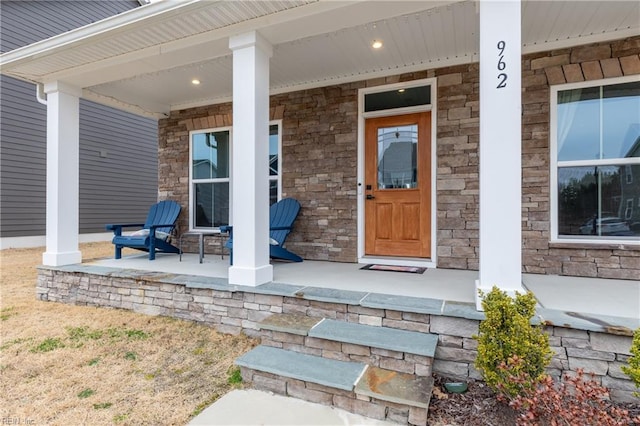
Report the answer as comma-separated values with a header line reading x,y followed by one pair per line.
x,y
65,365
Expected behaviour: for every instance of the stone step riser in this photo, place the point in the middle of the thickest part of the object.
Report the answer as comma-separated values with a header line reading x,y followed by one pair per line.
x,y
419,365
350,401
376,393
398,350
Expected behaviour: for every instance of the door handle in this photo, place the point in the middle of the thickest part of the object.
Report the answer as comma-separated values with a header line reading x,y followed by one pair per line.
x,y
370,197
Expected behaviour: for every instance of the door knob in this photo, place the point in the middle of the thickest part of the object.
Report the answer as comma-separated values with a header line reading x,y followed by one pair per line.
x,y
370,197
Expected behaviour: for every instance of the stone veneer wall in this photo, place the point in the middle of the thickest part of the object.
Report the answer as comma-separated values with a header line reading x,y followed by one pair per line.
x,y
237,311
319,150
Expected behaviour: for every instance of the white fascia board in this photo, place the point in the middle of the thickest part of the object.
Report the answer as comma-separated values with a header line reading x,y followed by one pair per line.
x,y
145,109
579,41
153,12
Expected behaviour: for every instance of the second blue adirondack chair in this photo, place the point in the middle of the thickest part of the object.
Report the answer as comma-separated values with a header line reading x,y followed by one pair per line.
x,y
155,233
281,217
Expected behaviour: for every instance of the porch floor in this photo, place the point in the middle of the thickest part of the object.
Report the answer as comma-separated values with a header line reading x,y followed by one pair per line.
x,y
586,296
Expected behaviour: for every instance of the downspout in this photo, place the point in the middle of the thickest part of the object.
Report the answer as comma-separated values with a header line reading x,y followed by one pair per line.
x,y
40,95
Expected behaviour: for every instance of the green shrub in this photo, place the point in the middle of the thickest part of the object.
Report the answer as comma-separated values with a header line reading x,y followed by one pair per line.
x,y
506,333
633,369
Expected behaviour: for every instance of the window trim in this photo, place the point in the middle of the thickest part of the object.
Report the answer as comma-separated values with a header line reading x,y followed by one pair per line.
x,y
277,177
553,163
192,226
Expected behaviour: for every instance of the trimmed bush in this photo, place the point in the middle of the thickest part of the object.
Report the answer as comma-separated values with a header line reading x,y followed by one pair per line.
x,y
507,334
633,369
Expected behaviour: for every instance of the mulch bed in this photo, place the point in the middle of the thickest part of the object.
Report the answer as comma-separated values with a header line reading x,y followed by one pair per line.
x,y
478,406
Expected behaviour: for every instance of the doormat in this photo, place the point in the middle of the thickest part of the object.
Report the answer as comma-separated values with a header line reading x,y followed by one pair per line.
x,y
393,268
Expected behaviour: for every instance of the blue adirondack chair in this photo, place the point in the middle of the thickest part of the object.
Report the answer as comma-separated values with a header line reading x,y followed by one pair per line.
x,y
281,217
155,232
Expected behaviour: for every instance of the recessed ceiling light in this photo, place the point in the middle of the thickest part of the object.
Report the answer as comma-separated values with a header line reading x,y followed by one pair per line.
x,y
195,81
377,44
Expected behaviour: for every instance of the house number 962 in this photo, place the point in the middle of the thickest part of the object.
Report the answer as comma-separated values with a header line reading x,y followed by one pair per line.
x,y
502,77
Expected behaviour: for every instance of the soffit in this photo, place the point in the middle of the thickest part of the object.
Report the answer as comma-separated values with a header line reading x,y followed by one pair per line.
x,y
149,64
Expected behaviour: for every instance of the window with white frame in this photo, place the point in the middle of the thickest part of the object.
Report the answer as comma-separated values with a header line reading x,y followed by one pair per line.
x,y
210,171
595,158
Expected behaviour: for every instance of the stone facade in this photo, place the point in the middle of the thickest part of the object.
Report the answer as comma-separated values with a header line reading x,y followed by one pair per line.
x,y
233,312
319,164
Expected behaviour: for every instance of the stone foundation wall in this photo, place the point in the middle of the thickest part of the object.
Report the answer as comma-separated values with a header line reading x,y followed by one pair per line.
x,y
319,162
237,311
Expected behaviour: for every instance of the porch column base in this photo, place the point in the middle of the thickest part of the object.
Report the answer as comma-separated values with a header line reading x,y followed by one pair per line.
x,y
60,259
511,291
253,277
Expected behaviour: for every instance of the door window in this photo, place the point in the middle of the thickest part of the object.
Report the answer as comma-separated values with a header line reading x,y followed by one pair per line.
x,y
397,153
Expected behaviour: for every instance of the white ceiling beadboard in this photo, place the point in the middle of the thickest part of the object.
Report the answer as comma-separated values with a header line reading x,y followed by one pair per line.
x,y
148,63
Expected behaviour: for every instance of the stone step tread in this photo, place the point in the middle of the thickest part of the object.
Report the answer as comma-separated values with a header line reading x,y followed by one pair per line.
x,y
309,368
392,386
289,323
393,339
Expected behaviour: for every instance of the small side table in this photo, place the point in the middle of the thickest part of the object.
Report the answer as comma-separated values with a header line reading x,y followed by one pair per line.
x,y
201,234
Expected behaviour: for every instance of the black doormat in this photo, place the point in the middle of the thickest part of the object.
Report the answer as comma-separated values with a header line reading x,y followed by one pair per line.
x,y
395,268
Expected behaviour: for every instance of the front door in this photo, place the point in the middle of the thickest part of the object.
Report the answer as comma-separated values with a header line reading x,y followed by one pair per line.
x,y
398,186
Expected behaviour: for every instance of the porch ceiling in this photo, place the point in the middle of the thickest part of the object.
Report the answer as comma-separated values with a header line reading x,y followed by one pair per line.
x,y
144,60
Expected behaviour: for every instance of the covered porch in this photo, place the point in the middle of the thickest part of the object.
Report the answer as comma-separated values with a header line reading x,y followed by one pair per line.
x,y
201,65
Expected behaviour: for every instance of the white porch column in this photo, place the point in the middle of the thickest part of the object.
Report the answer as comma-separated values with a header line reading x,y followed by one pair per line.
x,y
500,147
63,159
250,172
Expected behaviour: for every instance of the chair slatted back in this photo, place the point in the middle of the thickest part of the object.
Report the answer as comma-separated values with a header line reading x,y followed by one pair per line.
x,y
283,213
164,212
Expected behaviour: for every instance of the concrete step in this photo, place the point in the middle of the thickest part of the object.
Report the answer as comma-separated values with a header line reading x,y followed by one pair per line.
x,y
392,339
289,323
308,368
380,372
392,386
365,380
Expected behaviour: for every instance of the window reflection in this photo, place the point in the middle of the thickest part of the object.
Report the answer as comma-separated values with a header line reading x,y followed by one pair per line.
x,y
599,122
599,201
211,204
210,155
397,157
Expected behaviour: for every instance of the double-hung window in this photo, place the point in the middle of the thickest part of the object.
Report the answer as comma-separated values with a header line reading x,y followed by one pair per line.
x,y
210,172
595,161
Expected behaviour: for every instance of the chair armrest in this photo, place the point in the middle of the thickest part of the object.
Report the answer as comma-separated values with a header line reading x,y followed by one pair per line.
x,y
280,228
110,226
117,228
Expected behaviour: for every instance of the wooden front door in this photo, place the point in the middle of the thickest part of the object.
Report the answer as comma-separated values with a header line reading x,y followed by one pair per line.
x,y
398,185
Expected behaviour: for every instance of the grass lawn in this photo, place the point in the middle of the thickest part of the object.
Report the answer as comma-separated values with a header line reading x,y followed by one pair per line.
x,y
66,365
